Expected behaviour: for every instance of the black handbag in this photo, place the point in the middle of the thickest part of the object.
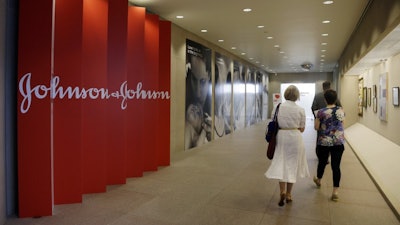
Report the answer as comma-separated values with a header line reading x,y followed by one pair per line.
x,y
272,131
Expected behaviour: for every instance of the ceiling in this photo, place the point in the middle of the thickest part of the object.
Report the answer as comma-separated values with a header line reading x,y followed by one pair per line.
x,y
291,32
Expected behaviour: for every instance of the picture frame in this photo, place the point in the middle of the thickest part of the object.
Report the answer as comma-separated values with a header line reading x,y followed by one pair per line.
x,y
360,96
375,104
374,90
395,94
383,96
365,97
369,97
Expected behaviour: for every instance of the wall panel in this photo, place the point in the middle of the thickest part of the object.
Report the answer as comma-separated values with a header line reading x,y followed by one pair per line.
x,y
93,100
94,114
150,81
34,131
135,122
116,75
67,112
163,143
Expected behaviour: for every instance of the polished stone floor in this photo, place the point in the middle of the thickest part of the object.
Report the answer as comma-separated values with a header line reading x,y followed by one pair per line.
x,y
223,183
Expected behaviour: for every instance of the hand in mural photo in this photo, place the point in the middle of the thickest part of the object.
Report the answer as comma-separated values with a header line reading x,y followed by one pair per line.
x,y
207,126
195,126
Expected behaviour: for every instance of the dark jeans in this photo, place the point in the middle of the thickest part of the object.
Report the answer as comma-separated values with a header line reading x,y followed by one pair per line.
x,y
336,153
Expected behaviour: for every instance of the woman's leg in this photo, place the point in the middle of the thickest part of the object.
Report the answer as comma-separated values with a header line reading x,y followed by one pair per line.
x,y
289,187
282,188
336,157
323,154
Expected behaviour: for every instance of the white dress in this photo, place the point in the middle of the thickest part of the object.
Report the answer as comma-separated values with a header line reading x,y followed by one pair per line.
x,y
289,160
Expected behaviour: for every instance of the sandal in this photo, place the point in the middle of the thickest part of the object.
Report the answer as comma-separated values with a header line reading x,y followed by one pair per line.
x,y
317,181
289,198
335,197
282,200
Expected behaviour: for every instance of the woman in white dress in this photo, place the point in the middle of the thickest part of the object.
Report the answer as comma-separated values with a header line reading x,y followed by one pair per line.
x,y
289,160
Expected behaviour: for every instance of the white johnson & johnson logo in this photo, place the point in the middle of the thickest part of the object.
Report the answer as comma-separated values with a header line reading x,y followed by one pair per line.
x,y
55,91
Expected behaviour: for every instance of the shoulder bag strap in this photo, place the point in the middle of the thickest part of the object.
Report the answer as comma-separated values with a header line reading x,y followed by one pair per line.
x,y
276,112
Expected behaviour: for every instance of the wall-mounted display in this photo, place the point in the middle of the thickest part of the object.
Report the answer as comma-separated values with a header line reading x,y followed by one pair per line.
x,y
360,96
239,95
395,92
198,121
383,79
222,96
365,97
369,96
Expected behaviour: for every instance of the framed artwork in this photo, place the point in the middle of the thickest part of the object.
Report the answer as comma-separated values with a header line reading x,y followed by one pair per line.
x,y
374,89
360,96
369,97
395,92
365,97
375,105
383,96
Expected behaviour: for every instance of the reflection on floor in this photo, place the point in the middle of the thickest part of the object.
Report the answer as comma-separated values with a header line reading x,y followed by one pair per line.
x,y
223,183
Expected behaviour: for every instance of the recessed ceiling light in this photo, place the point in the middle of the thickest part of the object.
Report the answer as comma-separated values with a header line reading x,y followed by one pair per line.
x,y
326,21
203,31
243,53
282,52
322,56
323,50
247,10
220,40
276,46
270,37
327,2
324,35
324,43
233,48
179,17
260,26
322,60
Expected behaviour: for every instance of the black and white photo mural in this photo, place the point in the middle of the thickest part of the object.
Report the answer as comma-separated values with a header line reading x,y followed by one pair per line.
x,y
198,120
259,96
223,96
250,98
239,95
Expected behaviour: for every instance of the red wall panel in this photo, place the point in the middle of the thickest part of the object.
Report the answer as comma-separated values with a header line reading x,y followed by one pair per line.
x,y
95,141
94,114
67,112
135,122
163,144
150,81
34,126
116,75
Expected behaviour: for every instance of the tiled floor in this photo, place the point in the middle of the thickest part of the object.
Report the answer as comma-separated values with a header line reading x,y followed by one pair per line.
x,y
223,183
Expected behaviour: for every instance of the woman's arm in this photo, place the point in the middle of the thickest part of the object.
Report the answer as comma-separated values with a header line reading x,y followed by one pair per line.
x,y
316,124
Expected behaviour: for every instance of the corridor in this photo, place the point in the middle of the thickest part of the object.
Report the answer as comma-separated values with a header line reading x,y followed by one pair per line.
x,y
223,183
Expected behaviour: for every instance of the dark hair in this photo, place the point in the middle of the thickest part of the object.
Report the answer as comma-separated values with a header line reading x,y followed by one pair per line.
x,y
330,96
326,85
